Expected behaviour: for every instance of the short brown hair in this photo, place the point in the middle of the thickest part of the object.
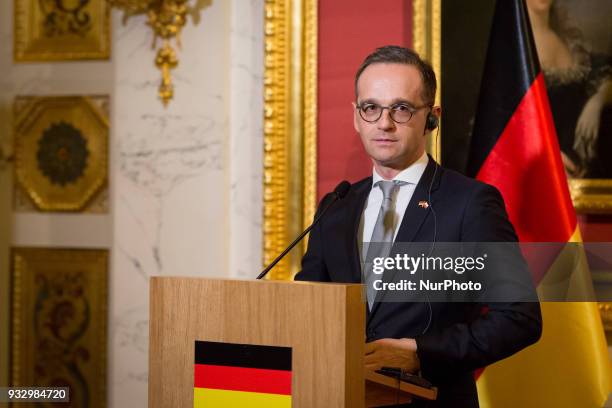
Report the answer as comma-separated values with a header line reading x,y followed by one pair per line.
x,y
393,54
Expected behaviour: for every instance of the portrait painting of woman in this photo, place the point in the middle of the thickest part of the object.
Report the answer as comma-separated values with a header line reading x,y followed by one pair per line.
x,y
573,41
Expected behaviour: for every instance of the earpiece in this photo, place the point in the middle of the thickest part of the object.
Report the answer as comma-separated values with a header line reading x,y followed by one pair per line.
x,y
432,121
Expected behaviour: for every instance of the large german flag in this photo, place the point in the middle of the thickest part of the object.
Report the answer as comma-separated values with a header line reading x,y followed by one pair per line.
x,y
241,375
515,148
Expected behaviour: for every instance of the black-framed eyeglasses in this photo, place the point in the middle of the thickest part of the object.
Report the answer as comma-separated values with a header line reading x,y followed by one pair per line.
x,y
399,112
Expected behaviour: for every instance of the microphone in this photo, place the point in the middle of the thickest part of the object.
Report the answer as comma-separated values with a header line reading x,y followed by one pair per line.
x,y
339,193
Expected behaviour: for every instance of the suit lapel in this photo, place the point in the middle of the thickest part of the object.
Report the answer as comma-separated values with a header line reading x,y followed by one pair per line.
x,y
415,213
414,217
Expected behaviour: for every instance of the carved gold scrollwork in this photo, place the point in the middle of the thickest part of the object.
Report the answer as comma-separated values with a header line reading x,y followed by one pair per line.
x,y
61,30
605,310
276,133
591,196
290,108
165,61
427,41
166,18
59,321
61,151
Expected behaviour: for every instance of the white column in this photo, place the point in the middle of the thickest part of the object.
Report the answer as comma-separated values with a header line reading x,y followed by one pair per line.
x,y
246,137
186,179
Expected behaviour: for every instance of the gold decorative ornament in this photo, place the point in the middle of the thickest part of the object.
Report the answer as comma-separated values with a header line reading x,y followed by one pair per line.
x,y
61,151
427,41
58,325
58,30
290,79
591,196
605,310
276,132
166,18
311,42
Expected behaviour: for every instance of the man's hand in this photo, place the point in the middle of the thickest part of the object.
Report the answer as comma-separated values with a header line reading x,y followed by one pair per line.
x,y
392,353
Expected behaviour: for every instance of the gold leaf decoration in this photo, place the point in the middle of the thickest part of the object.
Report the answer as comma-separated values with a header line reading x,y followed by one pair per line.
x,y
167,19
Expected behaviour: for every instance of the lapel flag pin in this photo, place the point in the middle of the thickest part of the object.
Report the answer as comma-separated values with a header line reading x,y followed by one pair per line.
x,y
423,204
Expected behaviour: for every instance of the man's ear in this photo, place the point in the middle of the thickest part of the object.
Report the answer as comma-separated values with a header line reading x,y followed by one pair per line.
x,y
355,117
437,111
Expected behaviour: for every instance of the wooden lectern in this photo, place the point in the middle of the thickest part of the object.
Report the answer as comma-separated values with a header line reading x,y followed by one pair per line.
x,y
323,323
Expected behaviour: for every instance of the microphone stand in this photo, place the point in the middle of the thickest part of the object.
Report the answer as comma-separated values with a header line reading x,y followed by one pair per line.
x,y
339,192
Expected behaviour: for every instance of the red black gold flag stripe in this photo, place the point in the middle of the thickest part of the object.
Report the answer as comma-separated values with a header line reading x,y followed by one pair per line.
x,y
514,143
241,375
515,148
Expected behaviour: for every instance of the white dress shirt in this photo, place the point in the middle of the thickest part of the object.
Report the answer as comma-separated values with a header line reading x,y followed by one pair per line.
x,y
401,198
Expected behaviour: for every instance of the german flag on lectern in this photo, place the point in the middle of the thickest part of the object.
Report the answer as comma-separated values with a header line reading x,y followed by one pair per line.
x,y
515,148
241,375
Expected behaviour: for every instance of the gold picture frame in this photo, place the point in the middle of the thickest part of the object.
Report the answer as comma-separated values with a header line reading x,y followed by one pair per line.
x,y
427,42
591,196
53,31
61,150
290,143
59,321
582,26
605,310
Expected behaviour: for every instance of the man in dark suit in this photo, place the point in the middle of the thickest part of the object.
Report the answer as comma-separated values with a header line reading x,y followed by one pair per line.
x,y
410,198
